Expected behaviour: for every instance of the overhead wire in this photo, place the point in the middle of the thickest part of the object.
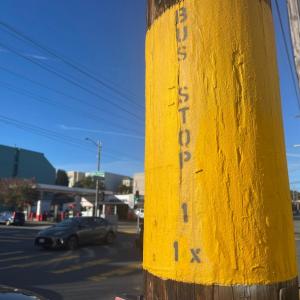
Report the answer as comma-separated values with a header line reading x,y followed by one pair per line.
x,y
43,132
71,81
295,84
60,105
65,139
68,62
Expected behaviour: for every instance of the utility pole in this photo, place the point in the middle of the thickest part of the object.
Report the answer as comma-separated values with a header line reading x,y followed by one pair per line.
x,y
218,218
99,147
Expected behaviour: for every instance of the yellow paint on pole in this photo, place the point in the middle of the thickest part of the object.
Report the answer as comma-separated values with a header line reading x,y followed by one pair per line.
x,y
217,204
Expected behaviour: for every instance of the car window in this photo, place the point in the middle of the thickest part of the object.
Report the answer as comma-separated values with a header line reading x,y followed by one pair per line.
x,y
19,215
66,223
100,221
86,221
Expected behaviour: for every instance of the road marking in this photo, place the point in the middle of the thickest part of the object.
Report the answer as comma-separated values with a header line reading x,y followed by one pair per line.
x,y
117,272
125,264
16,258
11,253
39,263
82,266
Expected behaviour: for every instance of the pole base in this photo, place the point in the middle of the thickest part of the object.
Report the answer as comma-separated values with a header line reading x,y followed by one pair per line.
x,y
158,289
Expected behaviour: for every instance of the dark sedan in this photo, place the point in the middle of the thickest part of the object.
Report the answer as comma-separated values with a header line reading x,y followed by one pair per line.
x,y
73,232
9,293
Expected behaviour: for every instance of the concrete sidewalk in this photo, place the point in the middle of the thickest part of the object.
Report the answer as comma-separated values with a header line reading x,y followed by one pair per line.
x,y
38,223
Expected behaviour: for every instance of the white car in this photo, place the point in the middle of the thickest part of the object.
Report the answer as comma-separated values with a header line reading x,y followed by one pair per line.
x,y
140,213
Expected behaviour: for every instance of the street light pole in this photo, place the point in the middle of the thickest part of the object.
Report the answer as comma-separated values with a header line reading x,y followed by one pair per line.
x,y
99,146
97,177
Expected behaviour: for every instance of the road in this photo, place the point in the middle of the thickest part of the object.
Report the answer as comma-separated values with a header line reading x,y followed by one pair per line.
x,y
297,238
91,272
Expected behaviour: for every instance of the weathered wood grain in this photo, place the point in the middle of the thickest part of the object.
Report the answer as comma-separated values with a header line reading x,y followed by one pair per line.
x,y
159,289
156,9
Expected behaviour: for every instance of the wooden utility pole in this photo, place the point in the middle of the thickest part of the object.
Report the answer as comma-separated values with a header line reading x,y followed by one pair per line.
x,y
218,219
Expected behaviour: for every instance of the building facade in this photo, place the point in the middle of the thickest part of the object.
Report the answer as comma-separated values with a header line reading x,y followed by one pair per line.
x,y
74,177
139,183
21,163
111,181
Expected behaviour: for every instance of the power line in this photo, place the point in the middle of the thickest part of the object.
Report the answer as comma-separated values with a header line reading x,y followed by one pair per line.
x,y
48,101
295,84
52,71
58,105
68,62
52,135
42,132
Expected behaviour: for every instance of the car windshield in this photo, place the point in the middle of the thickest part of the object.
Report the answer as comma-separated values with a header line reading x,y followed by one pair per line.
x,y
67,223
5,213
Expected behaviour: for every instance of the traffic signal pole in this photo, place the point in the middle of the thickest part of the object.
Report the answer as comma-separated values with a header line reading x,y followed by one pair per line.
x,y
218,219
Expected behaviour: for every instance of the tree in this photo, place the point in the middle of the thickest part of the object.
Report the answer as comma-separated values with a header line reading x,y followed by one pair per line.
x,y
17,193
124,189
62,178
89,183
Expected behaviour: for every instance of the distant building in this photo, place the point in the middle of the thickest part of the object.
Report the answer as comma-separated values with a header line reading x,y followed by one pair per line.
x,y
139,183
20,163
127,182
74,177
111,181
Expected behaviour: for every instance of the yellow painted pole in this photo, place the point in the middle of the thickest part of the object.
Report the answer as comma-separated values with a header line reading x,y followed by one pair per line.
x,y
218,209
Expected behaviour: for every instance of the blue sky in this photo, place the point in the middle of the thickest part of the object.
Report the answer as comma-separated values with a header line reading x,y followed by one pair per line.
x,y
289,96
105,38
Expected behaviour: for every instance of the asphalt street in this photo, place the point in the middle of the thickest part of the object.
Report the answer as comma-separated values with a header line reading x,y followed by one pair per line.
x,y
91,272
297,239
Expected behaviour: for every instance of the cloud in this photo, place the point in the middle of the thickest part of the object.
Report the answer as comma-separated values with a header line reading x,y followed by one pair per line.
x,y
30,55
38,57
64,127
127,168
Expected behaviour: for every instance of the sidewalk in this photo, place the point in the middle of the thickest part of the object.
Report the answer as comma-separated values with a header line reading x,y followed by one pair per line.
x,y
38,223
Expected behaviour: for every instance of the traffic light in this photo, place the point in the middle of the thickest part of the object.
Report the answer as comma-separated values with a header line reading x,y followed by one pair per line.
x,y
136,197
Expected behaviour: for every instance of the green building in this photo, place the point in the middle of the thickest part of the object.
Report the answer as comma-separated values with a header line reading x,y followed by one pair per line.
x,y
21,163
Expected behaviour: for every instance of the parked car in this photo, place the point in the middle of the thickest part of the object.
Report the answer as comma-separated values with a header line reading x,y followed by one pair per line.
x,y
15,218
17,294
77,231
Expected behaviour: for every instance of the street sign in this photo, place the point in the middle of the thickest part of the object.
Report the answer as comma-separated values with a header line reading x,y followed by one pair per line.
x,y
98,174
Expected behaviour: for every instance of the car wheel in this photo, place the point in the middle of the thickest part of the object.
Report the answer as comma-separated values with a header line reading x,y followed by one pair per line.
x,y
110,237
72,243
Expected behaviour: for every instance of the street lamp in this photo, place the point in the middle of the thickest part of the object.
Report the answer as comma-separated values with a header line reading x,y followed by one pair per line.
x,y
98,145
296,146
